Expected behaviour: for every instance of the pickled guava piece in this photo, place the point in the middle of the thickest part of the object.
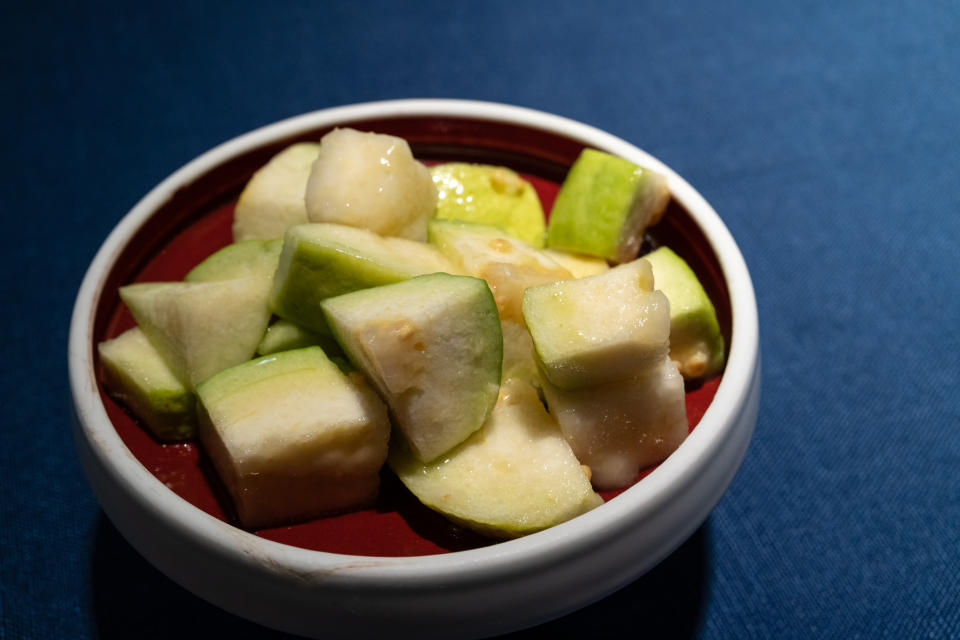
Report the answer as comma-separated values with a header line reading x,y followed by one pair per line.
x,y
578,264
370,181
519,360
598,329
273,199
249,258
515,476
696,344
283,335
432,347
491,195
620,428
200,328
604,206
319,261
292,437
138,377
507,264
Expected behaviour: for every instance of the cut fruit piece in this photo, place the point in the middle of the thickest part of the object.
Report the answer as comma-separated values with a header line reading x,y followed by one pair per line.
x,y
490,195
579,265
508,265
515,476
370,181
138,377
293,438
604,206
600,328
432,347
620,428
273,199
200,328
284,335
320,261
519,360
250,258
696,344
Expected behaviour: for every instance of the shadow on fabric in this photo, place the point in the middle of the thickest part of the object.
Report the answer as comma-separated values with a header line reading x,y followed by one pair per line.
x,y
132,599
666,602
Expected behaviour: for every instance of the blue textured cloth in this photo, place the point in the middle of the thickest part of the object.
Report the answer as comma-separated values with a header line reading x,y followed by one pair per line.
x,y
825,134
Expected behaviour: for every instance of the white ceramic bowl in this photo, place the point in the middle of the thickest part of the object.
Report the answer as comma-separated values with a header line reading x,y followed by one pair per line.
x,y
472,593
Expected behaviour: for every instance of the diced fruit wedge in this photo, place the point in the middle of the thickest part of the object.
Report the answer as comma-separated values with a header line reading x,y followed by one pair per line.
x,y
250,258
137,376
604,206
491,195
578,264
284,335
320,261
293,438
600,328
620,428
371,181
273,199
696,344
515,476
200,328
432,347
508,265
519,360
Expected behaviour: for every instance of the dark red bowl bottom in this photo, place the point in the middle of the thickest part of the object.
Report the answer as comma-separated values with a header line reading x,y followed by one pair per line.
x,y
197,221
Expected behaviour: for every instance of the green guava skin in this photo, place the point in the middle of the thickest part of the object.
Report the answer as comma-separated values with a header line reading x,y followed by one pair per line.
x,y
603,207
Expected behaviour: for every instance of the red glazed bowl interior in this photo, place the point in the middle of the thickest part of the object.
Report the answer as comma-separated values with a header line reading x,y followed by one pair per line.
x,y
197,221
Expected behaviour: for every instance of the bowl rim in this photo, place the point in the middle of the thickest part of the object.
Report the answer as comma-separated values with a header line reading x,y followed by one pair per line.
x,y
664,483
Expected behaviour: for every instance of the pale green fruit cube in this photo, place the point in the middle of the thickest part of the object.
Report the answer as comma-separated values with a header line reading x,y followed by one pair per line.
x,y
604,206
507,264
273,199
620,428
138,377
320,261
598,329
491,195
696,344
293,438
578,264
370,181
250,258
284,335
200,328
432,347
519,359
515,476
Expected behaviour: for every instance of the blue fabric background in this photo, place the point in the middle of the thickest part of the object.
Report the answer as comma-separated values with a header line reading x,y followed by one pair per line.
x,y
825,134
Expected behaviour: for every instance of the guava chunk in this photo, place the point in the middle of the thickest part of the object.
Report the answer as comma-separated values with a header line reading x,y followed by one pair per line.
x,y
491,195
139,378
604,206
620,428
320,261
696,344
371,181
273,199
432,347
200,328
598,329
249,258
283,335
507,264
515,476
292,437
578,264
